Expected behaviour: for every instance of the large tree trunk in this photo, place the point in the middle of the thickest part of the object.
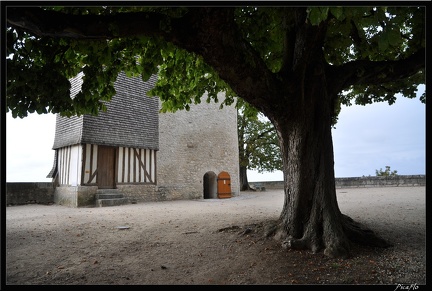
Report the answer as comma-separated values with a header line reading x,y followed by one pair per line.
x,y
311,218
244,183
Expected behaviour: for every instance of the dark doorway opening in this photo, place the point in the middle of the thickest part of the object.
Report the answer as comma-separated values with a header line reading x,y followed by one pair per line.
x,y
210,185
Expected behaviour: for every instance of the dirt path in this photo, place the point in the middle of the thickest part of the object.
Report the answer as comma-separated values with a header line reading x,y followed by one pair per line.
x,y
207,242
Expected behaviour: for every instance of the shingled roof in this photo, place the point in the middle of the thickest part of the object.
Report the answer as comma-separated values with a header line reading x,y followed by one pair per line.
x,y
131,119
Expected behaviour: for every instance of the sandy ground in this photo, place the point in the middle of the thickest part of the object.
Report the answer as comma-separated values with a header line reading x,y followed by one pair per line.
x,y
206,242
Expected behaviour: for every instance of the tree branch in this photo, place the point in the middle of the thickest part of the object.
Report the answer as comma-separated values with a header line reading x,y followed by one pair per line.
x,y
357,41
289,41
40,22
365,72
199,31
215,36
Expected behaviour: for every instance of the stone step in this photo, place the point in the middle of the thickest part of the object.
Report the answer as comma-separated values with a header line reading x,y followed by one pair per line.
x,y
108,191
110,202
109,197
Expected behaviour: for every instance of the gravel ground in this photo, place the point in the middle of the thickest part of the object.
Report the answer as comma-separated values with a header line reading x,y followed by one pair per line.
x,y
399,215
204,242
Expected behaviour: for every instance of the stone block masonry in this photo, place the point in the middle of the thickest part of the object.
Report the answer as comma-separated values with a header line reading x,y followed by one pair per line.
x,y
19,193
193,143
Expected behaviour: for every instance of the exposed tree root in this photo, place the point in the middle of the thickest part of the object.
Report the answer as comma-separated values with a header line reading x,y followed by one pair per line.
x,y
246,187
336,247
360,234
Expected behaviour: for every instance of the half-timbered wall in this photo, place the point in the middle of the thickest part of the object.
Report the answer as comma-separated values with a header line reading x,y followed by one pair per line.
x,y
69,161
90,164
136,166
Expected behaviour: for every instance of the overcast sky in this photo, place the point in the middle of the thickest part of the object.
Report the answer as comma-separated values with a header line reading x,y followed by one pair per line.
x,y
366,138
371,137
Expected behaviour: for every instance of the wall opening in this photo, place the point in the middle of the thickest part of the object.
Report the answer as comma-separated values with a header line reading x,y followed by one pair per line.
x,y
210,185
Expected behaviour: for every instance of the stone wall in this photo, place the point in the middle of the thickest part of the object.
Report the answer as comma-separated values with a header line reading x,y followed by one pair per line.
x,y
43,193
354,182
193,143
140,193
400,180
28,193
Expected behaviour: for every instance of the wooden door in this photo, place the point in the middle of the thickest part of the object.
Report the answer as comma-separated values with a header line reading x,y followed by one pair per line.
x,y
106,167
224,185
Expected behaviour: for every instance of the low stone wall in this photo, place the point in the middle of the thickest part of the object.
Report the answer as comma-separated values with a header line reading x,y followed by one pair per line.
x,y
400,180
43,192
30,192
355,182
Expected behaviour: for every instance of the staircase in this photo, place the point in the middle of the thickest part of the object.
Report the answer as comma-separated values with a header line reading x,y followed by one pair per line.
x,y
109,197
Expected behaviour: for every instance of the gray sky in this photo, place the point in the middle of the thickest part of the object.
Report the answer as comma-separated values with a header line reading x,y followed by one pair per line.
x,y
366,138
371,137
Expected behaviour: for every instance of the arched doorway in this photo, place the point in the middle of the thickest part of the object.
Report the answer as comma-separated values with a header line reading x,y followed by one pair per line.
x,y
210,185
224,185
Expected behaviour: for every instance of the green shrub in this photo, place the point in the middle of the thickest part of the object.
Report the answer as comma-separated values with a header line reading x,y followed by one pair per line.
x,y
386,172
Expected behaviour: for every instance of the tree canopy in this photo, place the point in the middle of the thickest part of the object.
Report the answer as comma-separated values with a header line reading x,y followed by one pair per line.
x,y
258,143
50,45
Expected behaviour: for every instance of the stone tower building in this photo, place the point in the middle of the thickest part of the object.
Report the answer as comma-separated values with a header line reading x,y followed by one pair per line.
x,y
198,152
133,153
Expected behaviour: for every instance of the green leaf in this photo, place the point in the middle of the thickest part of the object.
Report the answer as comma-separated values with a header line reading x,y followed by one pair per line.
x,y
394,37
383,43
318,14
337,12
